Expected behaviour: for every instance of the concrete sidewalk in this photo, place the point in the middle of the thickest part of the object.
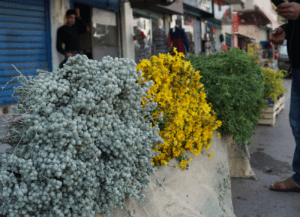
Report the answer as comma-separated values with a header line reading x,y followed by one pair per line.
x,y
271,159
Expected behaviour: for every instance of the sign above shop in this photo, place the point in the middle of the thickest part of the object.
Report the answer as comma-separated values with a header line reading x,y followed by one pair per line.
x,y
110,5
144,4
204,5
175,8
188,20
223,12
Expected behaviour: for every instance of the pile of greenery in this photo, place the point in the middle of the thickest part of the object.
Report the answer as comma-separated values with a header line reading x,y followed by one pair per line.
x,y
80,142
234,85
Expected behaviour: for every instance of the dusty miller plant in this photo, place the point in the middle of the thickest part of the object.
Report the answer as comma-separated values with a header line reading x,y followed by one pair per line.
x,y
79,141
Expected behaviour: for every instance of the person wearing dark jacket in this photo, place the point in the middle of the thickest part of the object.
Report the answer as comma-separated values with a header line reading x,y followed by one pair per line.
x,y
291,32
178,38
69,35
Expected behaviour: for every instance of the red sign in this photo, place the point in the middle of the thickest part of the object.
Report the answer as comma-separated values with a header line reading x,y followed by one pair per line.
x,y
224,47
188,20
235,22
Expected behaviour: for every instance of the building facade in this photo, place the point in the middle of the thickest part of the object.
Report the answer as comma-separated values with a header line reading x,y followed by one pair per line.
x,y
253,22
28,29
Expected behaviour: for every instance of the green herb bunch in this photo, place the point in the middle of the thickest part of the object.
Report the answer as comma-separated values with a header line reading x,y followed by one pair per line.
x,y
234,85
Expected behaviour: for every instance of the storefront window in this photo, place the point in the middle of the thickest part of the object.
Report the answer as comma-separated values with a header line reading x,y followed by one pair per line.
x,y
188,25
222,11
205,5
147,30
228,40
147,27
104,34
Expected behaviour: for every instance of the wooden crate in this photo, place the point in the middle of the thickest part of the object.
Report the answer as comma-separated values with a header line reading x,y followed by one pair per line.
x,y
269,114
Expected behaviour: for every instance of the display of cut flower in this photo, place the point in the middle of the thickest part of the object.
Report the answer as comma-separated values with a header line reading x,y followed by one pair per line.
x,y
273,83
188,120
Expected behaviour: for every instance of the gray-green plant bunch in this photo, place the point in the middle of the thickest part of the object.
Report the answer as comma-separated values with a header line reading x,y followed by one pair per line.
x,y
80,142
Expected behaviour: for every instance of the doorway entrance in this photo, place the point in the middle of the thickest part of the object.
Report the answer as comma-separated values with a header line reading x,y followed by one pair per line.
x,y
86,38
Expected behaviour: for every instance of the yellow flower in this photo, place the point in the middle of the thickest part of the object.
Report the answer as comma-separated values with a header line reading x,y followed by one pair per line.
x,y
175,166
211,154
207,147
183,164
188,117
219,136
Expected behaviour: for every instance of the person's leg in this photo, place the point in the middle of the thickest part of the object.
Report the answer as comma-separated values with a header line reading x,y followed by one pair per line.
x,y
293,183
294,117
74,52
63,62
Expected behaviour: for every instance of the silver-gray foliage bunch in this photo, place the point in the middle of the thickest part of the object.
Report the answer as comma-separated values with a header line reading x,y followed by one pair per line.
x,y
80,142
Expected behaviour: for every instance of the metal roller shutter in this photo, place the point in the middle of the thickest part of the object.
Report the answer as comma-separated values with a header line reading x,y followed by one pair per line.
x,y
24,42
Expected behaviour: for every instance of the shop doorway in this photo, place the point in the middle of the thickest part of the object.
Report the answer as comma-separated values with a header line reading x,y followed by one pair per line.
x,y
86,38
242,43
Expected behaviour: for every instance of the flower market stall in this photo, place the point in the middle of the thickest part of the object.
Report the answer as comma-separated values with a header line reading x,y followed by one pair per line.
x,y
112,138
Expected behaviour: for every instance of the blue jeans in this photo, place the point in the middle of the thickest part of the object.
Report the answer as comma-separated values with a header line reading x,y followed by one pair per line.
x,y
294,118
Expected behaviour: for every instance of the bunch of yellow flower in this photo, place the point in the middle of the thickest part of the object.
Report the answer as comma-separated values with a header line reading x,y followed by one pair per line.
x,y
184,163
273,83
189,121
256,52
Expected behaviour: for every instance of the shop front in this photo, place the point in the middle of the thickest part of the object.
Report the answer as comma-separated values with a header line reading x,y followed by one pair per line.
x,y
149,17
213,31
192,28
195,14
221,25
244,31
103,18
246,25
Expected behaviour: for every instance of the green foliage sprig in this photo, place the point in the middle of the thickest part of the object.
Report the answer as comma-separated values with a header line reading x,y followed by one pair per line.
x,y
234,85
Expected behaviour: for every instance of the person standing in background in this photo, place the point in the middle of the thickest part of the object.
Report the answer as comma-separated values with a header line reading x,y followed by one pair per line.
x,y
207,44
291,32
179,39
69,35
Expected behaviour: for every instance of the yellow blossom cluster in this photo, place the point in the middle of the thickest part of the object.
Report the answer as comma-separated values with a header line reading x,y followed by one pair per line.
x,y
273,83
189,120
184,163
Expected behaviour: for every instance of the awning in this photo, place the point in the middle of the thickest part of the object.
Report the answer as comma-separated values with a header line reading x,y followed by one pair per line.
x,y
145,4
110,5
232,2
256,16
250,31
173,9
196,11
215,23
275,24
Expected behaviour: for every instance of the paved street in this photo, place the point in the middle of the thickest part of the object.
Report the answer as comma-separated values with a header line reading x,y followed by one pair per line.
x,y
271,159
